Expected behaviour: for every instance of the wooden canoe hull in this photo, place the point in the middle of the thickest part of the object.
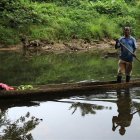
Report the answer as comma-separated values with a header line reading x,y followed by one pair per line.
x,y
69,89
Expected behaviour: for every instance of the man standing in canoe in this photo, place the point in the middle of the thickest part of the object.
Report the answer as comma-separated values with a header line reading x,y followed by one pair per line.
x,y
127,45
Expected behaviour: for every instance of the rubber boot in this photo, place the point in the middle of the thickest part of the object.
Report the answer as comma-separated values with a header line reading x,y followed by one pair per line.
x,y
127,78
119,79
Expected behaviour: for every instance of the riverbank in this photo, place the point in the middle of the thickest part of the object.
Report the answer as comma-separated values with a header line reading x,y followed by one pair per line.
x,y
105,47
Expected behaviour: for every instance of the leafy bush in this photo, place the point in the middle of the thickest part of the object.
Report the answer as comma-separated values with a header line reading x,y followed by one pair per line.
x,y
110,7
17,14
64,2
126,21
8,35
61,19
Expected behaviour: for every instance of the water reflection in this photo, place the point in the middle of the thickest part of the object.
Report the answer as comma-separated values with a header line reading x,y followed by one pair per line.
x,y
125,109
89,111
19,129
85,108
6,104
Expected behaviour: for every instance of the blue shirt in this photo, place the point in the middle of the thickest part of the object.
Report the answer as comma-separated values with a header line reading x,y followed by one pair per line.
x,y
130,44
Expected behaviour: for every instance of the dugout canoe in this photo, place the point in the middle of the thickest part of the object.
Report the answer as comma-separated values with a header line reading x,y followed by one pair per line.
x,y
67,89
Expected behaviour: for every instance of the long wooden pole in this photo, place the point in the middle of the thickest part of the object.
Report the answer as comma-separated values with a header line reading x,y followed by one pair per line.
x,y
135,111
129,51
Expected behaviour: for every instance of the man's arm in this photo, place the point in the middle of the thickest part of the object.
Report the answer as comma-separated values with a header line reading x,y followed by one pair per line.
x,y
113,123
134,45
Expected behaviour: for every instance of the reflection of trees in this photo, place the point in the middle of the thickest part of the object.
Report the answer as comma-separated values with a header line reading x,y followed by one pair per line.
x,y
3,118
19,129
86,108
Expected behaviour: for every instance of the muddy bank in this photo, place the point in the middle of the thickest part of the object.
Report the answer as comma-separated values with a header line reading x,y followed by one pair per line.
x,y
103,46
73,45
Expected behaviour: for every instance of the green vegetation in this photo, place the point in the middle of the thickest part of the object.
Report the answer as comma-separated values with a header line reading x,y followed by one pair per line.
x,y
60,68
64,19
25,87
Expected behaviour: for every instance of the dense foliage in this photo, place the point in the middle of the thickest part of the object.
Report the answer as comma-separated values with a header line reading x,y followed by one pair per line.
x,y
64,19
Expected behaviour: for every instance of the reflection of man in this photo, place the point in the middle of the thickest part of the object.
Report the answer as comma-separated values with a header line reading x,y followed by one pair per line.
x,y
124,117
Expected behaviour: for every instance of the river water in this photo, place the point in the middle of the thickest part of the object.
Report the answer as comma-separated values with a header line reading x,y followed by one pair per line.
x,y
98,115
95,116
